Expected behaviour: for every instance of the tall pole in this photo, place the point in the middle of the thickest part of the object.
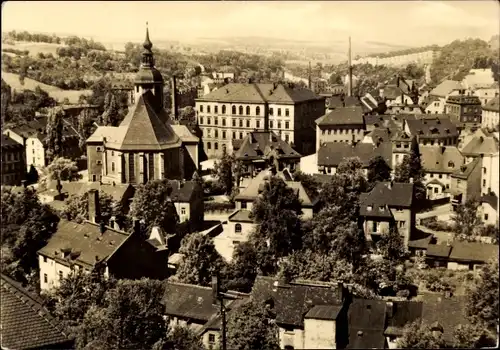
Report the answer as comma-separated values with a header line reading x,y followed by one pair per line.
x,y
309,77
349,91
223,314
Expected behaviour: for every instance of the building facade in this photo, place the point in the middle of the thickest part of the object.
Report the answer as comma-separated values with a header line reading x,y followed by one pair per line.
x,y
466,108
491,114
13,162
344,124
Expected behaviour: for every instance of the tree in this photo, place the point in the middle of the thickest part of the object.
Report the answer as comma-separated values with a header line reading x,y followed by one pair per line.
x,y
153,203
187,113
60,169
223,171
242,271
201,260
472,336
111,115
391,245
182,338
482,297
378,171
77,207
251,327
32,176
310,184
85,126
466,219
26,226
411,169
417,335
54,130
6,97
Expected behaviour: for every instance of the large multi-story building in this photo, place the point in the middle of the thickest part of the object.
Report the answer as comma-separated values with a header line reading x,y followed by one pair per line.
x,y
145,146
13,168
432,131
235,110
344,124
466,108
491,113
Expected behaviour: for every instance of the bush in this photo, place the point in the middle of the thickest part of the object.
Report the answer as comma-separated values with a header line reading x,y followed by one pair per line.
x,y
219,206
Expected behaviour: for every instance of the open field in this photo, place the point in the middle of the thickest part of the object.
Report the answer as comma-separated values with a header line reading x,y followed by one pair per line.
x,y
55,92
34,48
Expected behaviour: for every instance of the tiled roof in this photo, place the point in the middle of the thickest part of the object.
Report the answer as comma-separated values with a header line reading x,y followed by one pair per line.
x,y
36,128
493,105
84,242
339,101
332,153
324,312
215,322
7,142
403,312
447,86
422,243
260,93
241,215
438,250
385,195
183,132
473,251
292,301
116,191
366,324
260,144
393,122
26,324
435,127
343,116
491,199
435,182
391,92
442,159
465,170
380,135
481,145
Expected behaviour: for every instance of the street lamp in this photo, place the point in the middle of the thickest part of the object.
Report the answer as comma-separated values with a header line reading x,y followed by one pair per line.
x,y
218,296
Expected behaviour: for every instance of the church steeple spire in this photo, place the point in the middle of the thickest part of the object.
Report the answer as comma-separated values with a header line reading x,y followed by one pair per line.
x,y
147,54
147,43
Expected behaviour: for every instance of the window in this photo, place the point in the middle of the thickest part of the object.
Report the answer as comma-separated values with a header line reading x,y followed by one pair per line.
x,y
440,176
98,149
248,110
216,121
93,178
216,109
484,183
241,110
99,162
223,109
208,109
381,208
241,123
257,110
369,208
112,153
287,138
257,124
436,190
233,109
208,121
243,205
271,111
374,226
209,132
33,142
237,228
271,124
211,338
223,121
8,156
44,259
60,275
485,217
287,112
112,166
484,170
201,108
209,145
45,278
241,135
201,120
287,125
234,135
216,146
279,112
216,132
248,123
279,124
234,122
223,134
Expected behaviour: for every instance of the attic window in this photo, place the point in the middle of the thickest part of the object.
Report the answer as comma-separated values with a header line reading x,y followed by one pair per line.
x,y
451,164
381,208
447,131
420,132
360,333
369,208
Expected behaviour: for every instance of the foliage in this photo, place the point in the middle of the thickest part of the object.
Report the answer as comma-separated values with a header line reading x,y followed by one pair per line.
x,y
182,338
466,219
201,260
378,170
32,176
6,98
482,297
310,184
153,203
187,113
62,169
54,138
223,171
241,273
77,207
218,206
26,225
411,168
251,327
35,37
111,115
472,336
85,127
417,335
391,245
434,224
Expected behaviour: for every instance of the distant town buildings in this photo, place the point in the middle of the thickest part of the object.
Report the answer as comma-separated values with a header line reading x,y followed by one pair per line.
x,y
425,57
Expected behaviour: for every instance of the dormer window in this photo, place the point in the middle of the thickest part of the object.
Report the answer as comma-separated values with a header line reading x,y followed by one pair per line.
x,y
369,208
451,164
381,208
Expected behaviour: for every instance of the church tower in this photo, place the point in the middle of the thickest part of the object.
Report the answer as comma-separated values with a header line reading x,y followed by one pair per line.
x,y
149,78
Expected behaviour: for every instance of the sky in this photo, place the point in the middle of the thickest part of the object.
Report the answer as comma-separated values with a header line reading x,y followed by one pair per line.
x,y
410,23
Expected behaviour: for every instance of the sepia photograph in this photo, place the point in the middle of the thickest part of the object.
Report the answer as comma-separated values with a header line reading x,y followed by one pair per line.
x,y
240,175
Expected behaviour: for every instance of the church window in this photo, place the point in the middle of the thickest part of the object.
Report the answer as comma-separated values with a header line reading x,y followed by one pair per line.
x,y
131,167
151,164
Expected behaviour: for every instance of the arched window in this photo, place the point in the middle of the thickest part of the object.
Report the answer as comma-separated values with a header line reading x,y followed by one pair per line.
x,y
241,110
223,109
237,228
209,145
248,110
201,120
257,110
216,146
234,109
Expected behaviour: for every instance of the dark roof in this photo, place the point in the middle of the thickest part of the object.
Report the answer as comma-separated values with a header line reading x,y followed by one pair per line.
x,y
324,312
393,122
322,178
37,128
366,320
464,100
403,312
391,92
465,170
85,242
493,105
241,215
260,93
384,195
26,324
438,250
261,144
443,159
293,301
183,191
473,251
192,301
339,101
422,243
331,154
380,135
343,116
7,142
491,199
117,191
432,127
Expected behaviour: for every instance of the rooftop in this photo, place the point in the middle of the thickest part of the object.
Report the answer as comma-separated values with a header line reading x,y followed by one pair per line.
x,y
464,100
432,128
331,154
465,170
385,195
241,215
493,105
9,143
342,116
366,324
478,145
446,87
261,144
444,159
473,251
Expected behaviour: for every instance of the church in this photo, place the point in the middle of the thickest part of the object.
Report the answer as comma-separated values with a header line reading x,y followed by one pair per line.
x,y
147,145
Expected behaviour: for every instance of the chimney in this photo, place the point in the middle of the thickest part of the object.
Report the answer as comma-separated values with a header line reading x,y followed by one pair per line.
x,y
353,141
390,309
136,225
173,94
443,148
102,227
94,209
411,180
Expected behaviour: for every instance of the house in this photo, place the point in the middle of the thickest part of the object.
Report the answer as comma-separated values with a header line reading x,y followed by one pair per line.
x,y
309,315
491,113
441,92
383,121
466,182
344,124
459,255
261,149
466,108
478,77
435,131
236,109
13,162
26,324
439,164
331,154
238,228
388,205
486,92
379,135
341,101
367,319
401,143
488,211
437,254
145,146
90,245
194,306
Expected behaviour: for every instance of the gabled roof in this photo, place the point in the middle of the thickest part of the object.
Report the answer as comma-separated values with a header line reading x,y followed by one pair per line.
x,y
366,324
340,101
84,241
26,324
473,251
393,122
465,170
443,159
403,312
385,195
446,87
184,134
8,143
491,199
292,301
343,116
183,191
324,312
481,145
432,127
261,144
331,154
241,215
493,105
438,250
117,191
422,243
380,135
